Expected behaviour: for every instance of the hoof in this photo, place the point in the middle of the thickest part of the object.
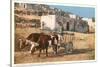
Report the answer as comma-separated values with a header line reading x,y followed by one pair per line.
x,y
46,55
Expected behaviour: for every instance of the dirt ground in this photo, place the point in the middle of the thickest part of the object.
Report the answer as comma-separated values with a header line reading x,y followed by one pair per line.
x,y
77,55
84,49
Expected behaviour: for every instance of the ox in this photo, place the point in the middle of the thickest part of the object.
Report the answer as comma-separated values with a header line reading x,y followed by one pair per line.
x,y
43,43
30,40
56,42
38,41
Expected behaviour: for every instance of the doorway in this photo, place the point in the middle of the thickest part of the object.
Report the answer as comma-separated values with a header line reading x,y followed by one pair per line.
x,y
67,26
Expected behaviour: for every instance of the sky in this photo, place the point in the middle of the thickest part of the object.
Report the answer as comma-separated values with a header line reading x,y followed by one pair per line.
x,y
87,12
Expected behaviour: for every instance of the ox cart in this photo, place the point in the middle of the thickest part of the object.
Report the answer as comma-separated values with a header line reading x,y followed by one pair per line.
x,y
67,42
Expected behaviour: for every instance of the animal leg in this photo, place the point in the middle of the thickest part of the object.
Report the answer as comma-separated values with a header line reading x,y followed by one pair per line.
x,y
39,52
56,49
32,45
46,51
33,50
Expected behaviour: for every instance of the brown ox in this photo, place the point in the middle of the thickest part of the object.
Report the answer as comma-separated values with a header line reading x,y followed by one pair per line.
x,y
43,43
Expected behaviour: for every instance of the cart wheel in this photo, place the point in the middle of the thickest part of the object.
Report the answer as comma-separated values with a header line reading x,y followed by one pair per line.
x,y
66,48
69,48
70,45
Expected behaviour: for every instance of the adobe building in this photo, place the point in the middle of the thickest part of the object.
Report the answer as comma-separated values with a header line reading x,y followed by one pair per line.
x,y
55,22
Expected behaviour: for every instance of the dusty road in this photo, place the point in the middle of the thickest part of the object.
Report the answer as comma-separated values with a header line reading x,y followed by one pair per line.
x,y
77,55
